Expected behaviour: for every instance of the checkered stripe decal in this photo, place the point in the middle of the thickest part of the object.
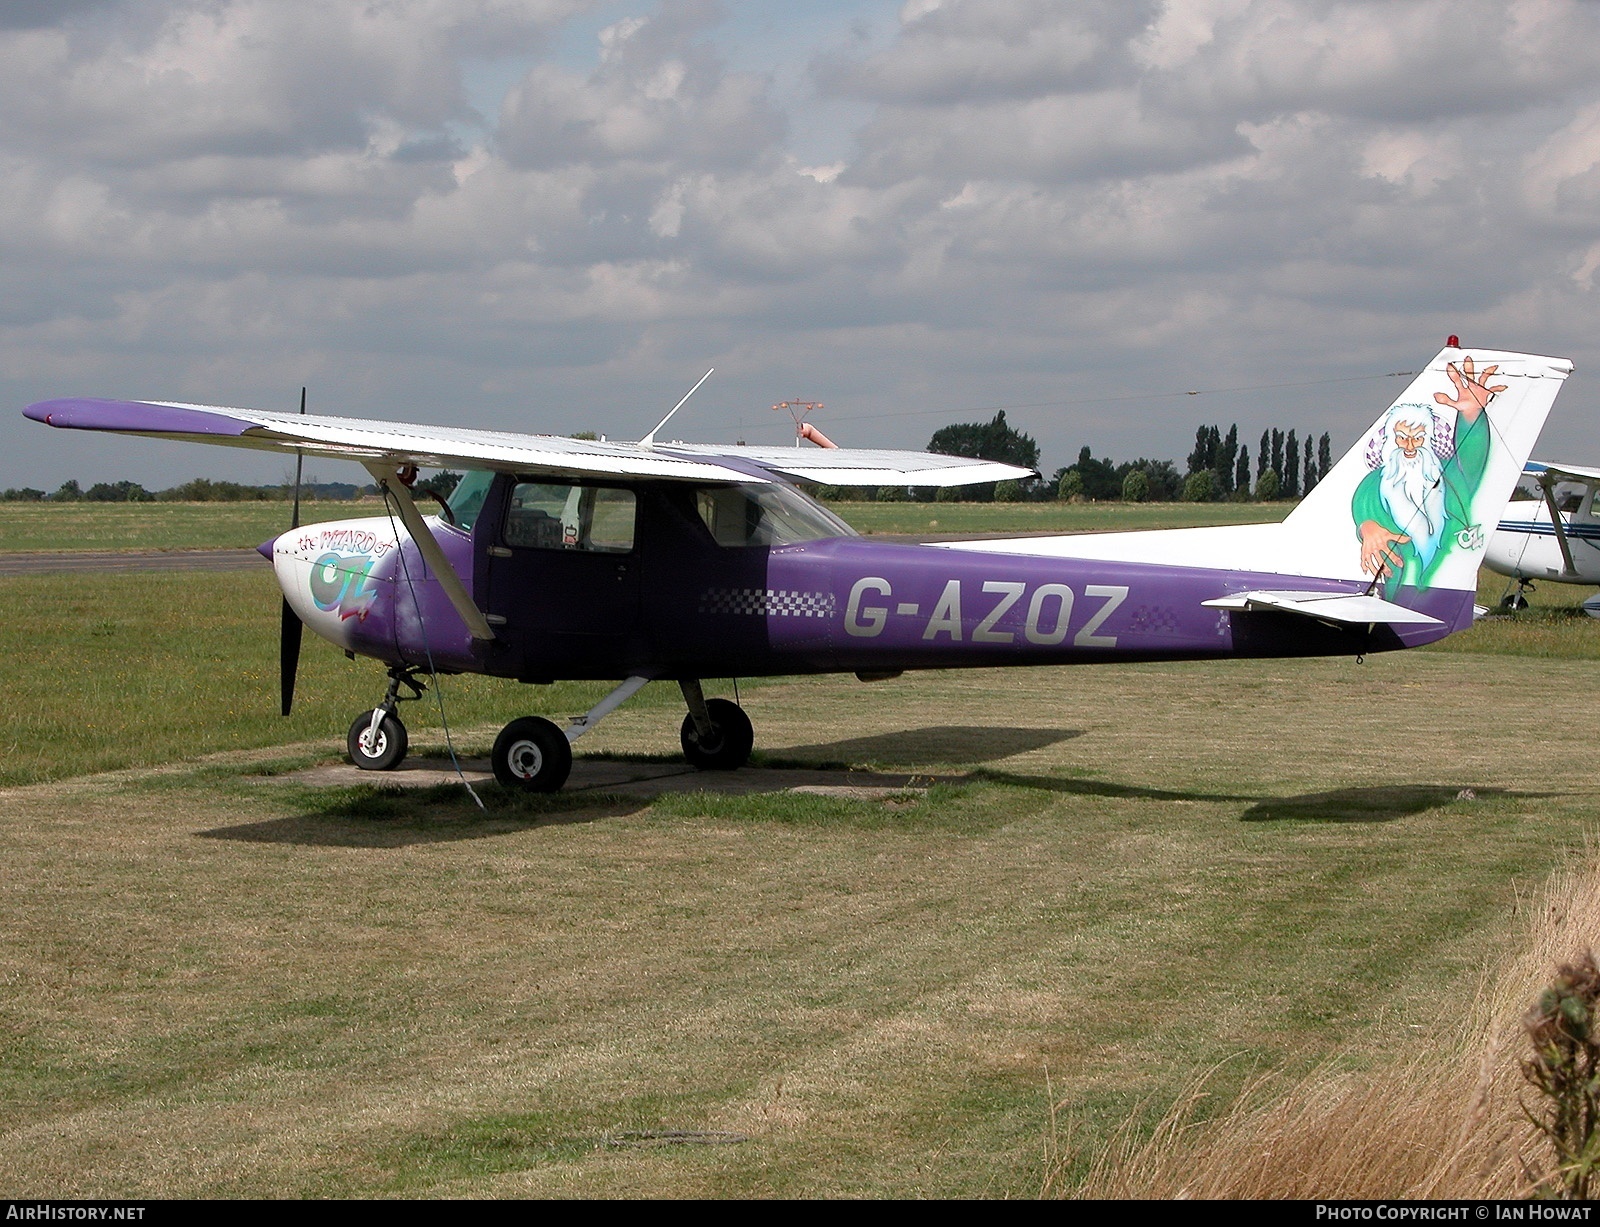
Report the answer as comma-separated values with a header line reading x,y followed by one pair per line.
x,y
762,602
1154,620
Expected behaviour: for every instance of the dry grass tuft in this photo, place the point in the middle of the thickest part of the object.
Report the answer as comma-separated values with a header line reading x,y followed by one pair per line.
x,y
1446,1123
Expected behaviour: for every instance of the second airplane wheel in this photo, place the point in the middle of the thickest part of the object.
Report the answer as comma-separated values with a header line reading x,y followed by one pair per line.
x,y
728,747
532,754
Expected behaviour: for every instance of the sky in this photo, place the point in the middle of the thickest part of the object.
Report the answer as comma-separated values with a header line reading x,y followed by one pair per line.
x,y
1115,220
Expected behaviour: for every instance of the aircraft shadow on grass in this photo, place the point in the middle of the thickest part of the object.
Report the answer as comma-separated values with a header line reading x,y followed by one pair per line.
x,y
394,817
1103,788
400,819
1379,803
945,744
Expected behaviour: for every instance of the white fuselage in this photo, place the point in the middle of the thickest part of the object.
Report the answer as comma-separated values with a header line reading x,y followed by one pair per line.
x,y
1524,543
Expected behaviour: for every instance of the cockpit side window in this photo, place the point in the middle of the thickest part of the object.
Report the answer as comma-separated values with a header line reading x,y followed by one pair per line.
x,y
547,515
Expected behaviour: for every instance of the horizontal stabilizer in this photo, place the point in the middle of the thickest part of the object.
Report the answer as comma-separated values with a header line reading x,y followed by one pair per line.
x,y
1354,609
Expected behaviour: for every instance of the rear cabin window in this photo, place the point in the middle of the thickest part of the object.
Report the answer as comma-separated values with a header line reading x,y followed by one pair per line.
x,y
765,516
558,516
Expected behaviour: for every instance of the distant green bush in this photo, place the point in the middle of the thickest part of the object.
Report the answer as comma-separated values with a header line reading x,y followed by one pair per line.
x,y
1201,487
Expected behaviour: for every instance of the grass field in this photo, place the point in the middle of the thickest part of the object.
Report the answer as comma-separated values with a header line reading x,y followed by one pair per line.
x,y
157,526
223,982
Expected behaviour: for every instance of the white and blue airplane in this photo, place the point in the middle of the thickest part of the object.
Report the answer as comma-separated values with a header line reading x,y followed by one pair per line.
x,y
1549,531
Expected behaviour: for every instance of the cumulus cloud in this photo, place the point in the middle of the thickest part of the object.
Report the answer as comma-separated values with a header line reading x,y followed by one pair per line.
x,y
213,198
978,52
658,95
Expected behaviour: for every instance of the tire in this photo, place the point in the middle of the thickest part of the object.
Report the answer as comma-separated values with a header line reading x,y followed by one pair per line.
x,y
1514,602
390,750
731,740
532,754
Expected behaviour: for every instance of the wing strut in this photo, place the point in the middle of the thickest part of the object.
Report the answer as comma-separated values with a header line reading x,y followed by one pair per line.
x,y
1547,483
384,475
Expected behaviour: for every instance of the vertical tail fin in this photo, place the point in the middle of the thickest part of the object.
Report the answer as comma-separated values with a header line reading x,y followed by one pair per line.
x,y
1412,504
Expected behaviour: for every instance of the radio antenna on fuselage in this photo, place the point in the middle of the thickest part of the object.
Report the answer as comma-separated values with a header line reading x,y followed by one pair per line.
x,y
650,439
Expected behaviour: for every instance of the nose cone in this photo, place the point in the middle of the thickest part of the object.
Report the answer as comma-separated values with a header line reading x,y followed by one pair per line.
x,y
333,576
265,549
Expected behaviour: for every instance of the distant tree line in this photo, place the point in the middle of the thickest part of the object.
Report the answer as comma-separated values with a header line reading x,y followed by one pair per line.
x,y
204,490
1285,467
1219,468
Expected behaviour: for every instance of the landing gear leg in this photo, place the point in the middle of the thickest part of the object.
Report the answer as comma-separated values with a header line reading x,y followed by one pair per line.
x,y
377,740
716,734
1516,600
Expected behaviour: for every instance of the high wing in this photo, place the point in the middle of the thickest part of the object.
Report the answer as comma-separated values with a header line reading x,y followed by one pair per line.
x,y
394,443
1563,472
861,466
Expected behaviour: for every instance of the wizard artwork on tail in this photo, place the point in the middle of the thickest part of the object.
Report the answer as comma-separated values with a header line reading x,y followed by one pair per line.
x,y
1416,505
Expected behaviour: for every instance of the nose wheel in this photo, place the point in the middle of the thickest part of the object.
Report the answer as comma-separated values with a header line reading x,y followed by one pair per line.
x,y
377,740
377,745
1516,600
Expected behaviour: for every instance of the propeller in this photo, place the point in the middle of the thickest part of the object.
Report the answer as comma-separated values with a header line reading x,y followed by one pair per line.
x,y
290,626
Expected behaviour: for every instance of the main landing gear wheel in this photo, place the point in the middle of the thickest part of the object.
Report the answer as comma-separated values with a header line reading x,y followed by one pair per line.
x,y
728,747
382,751
532,754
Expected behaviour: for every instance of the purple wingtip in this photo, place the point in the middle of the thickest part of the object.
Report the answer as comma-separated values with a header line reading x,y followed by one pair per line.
x,y
93,413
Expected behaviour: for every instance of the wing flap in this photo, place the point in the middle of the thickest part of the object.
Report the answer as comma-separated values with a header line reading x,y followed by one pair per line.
x,y
1349,608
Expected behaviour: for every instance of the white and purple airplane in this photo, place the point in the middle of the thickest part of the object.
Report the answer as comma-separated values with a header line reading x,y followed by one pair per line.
x,y
1549,531
632,562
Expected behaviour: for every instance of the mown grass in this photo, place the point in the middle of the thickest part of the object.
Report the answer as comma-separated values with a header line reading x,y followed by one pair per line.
x,y
221,982
224,985
55,527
